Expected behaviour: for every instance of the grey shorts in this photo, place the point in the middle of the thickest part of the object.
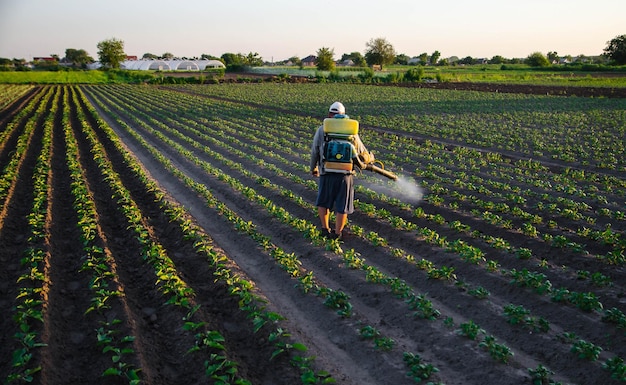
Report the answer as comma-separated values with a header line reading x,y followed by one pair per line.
x,y
336,192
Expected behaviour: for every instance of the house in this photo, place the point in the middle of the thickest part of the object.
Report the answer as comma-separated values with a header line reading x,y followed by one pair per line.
x,y
414,61
309,61
46,59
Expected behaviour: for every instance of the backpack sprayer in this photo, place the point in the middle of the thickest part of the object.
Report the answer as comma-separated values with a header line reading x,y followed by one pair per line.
x,y
340,154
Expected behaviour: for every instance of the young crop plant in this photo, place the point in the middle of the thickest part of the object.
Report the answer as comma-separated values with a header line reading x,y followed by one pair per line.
x,y
523,253
418,370
586,350
498,352
375,276
470,330
106,336
336,299
518,315
479,292
587,302
617,368
306,282
381,343
492,266
538,281
352,259
600,280
541,376
376,239
423,307
443,273
217,367
616,316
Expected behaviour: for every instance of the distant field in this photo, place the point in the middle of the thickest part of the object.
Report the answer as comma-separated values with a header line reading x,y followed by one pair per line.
x,y
476,74
479,73
48,77
72,77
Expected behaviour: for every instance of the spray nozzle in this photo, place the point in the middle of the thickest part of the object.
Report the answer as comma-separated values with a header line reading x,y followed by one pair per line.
x,y
365,161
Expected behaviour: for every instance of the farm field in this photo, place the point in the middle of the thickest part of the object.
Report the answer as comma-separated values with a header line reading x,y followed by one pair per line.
x,y
168,235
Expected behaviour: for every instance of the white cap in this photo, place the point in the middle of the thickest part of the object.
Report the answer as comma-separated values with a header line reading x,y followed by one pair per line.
x,y
337,108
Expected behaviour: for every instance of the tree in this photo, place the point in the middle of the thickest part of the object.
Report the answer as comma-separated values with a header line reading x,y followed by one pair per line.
x,y
553,57
78,57
467,60
379,52
582,58
356,57
435,57
205,56
111,52
402,59
149,56
167,56
325,59
423,58
616,50
497,59
295,61
253,60
537,59
232,59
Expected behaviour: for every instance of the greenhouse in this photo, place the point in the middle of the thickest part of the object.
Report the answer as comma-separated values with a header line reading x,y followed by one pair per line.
x,y
171,65
145,65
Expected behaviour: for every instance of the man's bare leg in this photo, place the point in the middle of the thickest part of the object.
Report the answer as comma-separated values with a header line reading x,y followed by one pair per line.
x,y
340,222
324,215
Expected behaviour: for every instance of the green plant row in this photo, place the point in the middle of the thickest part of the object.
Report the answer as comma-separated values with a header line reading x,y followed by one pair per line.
x,y
11,92
104,284
29,314
11,170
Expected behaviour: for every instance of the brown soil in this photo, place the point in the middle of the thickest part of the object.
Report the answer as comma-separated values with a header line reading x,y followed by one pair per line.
x,y
72,357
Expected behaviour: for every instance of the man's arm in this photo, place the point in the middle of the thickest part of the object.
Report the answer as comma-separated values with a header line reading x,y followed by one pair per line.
x,y
315,154
358,145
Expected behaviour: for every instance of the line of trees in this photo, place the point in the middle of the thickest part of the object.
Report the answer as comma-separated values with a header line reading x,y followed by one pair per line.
x,y
378,53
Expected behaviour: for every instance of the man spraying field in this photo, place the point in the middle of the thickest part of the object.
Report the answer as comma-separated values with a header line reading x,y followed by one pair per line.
x,y
335,151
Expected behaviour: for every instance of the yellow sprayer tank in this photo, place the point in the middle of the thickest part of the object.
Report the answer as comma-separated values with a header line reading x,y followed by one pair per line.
x,y
341,126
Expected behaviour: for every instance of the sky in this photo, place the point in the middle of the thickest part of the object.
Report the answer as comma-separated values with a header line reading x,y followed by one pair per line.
x,y
280,29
